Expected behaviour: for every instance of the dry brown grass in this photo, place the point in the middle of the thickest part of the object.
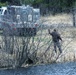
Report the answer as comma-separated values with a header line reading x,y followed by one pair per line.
x,y
45,53
65,19
68,35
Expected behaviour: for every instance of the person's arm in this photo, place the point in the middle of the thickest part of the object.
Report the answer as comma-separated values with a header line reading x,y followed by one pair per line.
x,y
59,37
49,31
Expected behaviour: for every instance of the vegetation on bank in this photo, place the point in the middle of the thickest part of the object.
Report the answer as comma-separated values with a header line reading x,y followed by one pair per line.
x,y
39,49
47,3
17,51
2,4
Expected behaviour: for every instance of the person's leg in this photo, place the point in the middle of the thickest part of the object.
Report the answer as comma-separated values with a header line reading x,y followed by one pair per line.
x,y
55,47
59,46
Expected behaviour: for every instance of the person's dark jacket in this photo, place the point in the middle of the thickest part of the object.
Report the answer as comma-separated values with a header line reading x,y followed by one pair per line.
x,y
55,36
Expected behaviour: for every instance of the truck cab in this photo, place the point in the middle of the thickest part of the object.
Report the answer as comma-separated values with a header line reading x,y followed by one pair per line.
x,y
3,10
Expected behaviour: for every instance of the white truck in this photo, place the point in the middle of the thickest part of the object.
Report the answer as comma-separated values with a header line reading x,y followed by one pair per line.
x,y
20,20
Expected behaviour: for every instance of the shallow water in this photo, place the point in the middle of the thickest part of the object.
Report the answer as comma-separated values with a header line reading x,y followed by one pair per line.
x,y
50,69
